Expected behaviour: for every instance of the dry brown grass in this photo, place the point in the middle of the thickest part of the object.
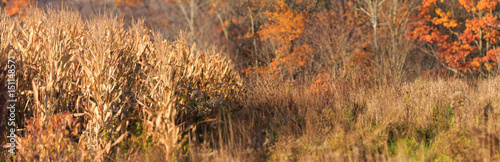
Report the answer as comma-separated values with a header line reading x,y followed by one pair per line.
x,y
414,121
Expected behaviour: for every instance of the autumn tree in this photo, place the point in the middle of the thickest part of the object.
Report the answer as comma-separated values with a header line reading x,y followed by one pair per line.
x,y
465,33
13,7
285,25
385,26
338,38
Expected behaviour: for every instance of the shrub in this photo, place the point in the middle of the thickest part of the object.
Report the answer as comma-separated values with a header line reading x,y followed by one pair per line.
x,y
55,140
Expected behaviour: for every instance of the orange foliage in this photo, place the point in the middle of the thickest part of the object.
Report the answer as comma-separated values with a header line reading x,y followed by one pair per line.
x,y
464,46
52,139
285,25
128,3
13,7
322,83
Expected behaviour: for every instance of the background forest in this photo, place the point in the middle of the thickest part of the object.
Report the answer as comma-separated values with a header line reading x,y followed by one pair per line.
x,y
252,80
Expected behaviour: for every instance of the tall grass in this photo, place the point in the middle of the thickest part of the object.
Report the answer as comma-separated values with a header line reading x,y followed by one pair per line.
x,y
114,81
416,121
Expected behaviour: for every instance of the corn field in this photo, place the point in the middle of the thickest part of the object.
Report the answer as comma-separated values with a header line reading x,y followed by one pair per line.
x,y
106,79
